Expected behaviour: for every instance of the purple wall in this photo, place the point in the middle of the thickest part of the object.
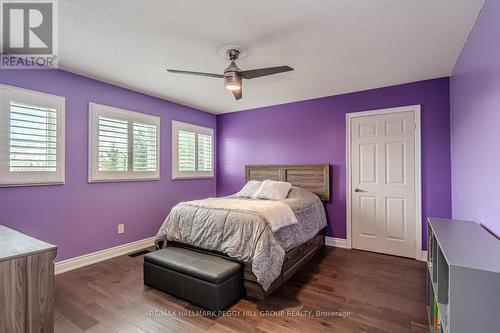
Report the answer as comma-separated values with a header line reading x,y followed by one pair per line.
x,y
313,131
80,217
475,119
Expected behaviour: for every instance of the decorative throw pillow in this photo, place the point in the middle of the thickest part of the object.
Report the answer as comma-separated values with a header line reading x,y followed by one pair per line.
x,y
249,190
273,190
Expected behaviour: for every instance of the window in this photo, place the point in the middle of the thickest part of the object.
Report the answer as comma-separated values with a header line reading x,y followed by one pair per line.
x,y
123,145
193,151
31,137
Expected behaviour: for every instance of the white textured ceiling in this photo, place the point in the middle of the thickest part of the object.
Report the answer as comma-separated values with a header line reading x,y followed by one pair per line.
x,y
335,46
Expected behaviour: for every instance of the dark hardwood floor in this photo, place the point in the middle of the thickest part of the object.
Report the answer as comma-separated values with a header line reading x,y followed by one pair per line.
x,y
345,290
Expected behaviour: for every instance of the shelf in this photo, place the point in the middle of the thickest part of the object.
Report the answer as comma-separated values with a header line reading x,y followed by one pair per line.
x,y
438,274
441,309
481,251
431,324
442,315
434,284
465,270
442,277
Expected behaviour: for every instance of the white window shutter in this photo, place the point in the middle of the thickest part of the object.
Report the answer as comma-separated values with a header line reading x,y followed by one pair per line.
x,y
33,138
187,151
205,152
113,144
144,147
123,145
193,151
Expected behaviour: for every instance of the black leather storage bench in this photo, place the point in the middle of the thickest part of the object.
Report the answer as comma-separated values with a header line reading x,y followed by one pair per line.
x,y
202,279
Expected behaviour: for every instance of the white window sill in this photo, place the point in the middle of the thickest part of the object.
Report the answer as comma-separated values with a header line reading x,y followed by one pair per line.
x,y
121,180
32,184
192,177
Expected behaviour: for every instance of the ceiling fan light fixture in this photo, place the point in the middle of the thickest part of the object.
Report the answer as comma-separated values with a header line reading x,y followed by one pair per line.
x,y
233,76
232,87
232,82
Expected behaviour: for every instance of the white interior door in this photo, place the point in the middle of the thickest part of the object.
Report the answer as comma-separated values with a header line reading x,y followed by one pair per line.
x,y
383,183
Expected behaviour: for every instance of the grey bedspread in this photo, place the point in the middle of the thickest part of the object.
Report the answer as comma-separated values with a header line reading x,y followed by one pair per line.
x,y
246,235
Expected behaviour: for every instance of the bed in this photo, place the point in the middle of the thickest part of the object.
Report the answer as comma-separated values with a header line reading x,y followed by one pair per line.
x,y
270,258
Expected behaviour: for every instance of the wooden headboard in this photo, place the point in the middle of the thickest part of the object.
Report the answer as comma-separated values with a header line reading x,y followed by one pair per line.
x,y
312,177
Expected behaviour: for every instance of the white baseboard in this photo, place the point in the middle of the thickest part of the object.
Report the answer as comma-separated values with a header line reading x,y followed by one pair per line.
x,y
337,242
341,242
95,257
423,256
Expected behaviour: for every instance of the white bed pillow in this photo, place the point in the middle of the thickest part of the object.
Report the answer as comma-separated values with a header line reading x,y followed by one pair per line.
x,y
250,189
273,190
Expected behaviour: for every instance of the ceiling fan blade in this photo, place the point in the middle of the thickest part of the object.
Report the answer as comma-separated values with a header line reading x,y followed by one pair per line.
x,y
195,73
238,94
254,73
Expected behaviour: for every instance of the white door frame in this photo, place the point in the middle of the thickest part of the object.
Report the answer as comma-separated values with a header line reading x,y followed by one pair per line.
x,y
418,172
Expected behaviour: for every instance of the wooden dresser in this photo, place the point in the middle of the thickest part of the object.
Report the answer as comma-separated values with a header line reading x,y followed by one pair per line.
x,y
26,283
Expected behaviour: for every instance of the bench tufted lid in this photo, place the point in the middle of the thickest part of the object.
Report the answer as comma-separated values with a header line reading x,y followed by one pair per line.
x,y
200,265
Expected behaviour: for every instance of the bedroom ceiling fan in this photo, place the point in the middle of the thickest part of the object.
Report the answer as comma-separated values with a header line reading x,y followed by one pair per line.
x,y
233,76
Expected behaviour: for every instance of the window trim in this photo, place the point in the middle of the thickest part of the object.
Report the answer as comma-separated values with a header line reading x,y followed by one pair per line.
x,y
94,175
182,126
35,178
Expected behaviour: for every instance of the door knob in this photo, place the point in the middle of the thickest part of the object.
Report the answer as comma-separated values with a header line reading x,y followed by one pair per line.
x,y
358,190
